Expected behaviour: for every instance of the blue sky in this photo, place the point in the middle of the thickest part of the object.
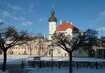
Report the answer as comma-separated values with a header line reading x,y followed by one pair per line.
x,y
32,15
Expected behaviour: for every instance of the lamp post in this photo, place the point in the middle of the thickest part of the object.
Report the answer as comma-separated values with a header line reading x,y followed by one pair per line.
x,y
51,52
30,48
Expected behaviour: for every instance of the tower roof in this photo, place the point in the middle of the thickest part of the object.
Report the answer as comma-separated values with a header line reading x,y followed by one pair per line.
x,y
64,26
52,18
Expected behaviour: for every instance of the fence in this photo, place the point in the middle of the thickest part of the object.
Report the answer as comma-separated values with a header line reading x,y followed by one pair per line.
x,y
60,64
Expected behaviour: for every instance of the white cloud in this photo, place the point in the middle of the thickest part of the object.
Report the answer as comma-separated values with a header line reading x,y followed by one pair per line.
x,y
31,7
102,13
7,14
4,13
26,23
18,18
15,7
101,29
21,18
101,16
22,21
100,19
42,19
1,20
15,18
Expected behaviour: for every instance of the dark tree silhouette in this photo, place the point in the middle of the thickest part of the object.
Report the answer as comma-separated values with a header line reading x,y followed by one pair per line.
x,y
102,41
102,44
69,44
92,40
9,38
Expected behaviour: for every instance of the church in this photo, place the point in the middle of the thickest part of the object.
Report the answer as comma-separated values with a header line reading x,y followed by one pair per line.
x,y
68,28
64,27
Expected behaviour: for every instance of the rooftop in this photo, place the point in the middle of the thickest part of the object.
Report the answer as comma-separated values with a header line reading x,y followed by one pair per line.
x,y
65,25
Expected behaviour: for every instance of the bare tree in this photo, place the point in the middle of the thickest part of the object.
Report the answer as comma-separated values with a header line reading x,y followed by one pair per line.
x,y
92,40
69,44
102,41
41,44
9,38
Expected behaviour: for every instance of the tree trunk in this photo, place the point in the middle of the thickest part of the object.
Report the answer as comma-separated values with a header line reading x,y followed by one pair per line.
x,y
70,62
4,61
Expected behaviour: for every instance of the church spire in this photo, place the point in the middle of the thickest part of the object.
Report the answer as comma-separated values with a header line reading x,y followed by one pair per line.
x,y
52,17
52,12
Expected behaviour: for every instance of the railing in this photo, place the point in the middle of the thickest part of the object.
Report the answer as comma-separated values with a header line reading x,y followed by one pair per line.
x,y
59,64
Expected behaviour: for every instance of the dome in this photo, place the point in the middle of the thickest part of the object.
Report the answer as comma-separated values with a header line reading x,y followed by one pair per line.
x,y
52,18
64,26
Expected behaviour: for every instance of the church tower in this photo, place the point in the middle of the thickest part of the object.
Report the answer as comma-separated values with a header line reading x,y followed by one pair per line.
x,y
52,24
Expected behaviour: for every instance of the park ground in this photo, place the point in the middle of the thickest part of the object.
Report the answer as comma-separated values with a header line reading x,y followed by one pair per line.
x,y
14,65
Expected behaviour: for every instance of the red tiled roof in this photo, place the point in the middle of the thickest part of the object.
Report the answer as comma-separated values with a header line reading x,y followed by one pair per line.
x,y
64,26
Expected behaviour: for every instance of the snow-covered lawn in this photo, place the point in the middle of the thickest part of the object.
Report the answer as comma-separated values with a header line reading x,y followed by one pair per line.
x,y
17,59
64,70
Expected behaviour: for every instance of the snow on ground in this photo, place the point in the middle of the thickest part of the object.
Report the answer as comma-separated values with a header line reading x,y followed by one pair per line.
x,y
82,59
63,70
17,59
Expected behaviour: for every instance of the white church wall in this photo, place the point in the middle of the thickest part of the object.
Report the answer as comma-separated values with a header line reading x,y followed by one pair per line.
x,y
68,31
52,29
58,51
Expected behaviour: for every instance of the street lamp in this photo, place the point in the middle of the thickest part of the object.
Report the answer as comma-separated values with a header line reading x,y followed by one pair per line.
x,y
51,52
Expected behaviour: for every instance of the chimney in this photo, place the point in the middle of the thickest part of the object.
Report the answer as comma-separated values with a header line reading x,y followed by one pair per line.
x,y
44,36
67,21
71,23
60,21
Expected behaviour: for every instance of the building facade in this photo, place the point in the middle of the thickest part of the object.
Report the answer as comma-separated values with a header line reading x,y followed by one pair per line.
x,y
37,46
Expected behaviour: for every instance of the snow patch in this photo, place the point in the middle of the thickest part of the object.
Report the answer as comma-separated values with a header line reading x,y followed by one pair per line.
x,y
63,70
